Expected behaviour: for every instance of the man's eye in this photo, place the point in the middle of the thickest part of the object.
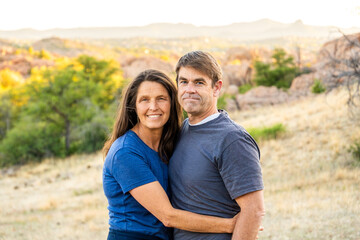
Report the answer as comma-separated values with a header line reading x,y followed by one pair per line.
x,y
199,83
183,82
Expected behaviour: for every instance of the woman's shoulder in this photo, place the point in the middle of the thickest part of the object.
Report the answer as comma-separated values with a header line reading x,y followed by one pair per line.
x,y
127,143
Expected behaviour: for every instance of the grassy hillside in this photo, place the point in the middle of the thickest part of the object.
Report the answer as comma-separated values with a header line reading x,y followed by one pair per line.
x,y
312,181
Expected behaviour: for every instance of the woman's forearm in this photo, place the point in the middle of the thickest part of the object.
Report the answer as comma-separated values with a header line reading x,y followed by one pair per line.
x,y
162,209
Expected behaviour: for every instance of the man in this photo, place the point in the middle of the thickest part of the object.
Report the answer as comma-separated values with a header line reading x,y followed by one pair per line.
x,y
215,169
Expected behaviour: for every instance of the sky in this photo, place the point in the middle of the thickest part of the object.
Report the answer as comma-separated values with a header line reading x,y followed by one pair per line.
x,y
48,14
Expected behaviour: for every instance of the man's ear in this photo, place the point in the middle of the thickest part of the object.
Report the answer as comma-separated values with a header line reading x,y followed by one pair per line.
x,y
217,88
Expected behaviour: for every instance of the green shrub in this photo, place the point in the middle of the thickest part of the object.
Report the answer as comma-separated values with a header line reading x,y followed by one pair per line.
x,y
266,133
184,114
30,141
280,72
91,136
355,150
221,102
317,87
244,88
82,192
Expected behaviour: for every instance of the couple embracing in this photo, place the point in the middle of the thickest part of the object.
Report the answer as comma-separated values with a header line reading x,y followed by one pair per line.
x,y
199,179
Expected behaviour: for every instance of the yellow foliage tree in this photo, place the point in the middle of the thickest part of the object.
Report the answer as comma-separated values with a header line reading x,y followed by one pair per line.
x,y
9,79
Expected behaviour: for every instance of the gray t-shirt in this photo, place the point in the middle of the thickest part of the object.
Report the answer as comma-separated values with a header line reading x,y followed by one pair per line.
x,y
213,164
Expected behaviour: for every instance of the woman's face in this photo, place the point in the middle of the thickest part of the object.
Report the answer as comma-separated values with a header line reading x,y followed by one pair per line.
x,y
152,105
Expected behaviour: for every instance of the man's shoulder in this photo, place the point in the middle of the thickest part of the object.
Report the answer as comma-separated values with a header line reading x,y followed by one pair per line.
x,y
230,127
232,131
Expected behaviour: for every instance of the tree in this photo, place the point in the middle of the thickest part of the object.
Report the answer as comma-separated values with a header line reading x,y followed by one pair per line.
x,y
344,68
9,83
280,72
72,96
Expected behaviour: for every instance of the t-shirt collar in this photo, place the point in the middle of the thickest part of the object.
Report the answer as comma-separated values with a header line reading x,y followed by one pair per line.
x,y
205,120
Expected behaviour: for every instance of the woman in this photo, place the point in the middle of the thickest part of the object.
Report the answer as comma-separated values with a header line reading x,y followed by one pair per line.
x,y
135,177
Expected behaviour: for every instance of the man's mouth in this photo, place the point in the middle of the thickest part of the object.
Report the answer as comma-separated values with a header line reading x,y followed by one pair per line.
x,y
194,97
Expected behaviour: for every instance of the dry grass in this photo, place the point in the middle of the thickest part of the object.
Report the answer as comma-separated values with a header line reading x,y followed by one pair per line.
x,y
55,200
312,183
311,180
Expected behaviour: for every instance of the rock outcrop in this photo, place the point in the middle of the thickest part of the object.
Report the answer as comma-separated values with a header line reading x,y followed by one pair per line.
x,y
132,66
261,96
22,64
237,65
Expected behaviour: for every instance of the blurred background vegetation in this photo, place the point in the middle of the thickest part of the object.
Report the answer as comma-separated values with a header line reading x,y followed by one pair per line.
x,y
59,110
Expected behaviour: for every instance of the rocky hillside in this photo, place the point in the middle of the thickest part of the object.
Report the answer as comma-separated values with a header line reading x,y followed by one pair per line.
x,y
236,62
333,55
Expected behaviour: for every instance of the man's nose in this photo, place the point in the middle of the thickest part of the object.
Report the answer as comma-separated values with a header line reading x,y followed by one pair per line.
x,y
190,88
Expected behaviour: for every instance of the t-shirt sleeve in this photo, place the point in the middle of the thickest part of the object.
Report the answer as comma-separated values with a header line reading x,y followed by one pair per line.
x,y
131,170
239,167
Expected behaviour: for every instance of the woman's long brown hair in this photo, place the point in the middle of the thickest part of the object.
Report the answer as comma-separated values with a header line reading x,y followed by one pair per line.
x,y
126,117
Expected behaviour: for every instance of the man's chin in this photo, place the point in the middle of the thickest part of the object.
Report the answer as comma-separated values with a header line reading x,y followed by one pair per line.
x,y
190,110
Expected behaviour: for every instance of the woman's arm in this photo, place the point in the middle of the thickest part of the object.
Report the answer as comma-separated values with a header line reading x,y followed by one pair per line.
x,y
162,209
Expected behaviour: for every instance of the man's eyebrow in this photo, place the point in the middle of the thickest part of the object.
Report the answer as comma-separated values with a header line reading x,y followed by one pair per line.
x,y
195,80
199,80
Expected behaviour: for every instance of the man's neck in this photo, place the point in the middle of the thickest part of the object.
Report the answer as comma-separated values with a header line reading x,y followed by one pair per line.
x,y
194,119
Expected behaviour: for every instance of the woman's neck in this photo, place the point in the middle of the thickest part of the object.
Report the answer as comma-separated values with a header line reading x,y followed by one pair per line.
x,y
148,136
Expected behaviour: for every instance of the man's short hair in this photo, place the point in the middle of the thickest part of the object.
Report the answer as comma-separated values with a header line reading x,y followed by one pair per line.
x,y
203,62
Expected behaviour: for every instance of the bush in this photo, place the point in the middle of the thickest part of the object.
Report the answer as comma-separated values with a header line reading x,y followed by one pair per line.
x,y
244,88
355,150
221,102
280,72
184,114
29,141
91,136
267,133
317,87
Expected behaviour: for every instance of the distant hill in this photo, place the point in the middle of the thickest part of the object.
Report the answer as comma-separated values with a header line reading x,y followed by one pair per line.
x,y
245,31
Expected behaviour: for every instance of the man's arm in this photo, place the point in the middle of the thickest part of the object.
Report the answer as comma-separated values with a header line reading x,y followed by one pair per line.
x,y
252,212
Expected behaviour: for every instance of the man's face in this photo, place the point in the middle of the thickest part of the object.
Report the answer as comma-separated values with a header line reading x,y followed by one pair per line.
x,y
196,94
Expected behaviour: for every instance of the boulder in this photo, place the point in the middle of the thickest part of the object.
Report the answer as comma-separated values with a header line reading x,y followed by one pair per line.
x,y
303,82
23,64
237,74
232,90
133,66
238,53
231,105
261,96
338,55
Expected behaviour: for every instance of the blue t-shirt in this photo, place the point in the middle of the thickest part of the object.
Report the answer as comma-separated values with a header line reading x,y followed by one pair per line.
x,y
213,164
130,163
